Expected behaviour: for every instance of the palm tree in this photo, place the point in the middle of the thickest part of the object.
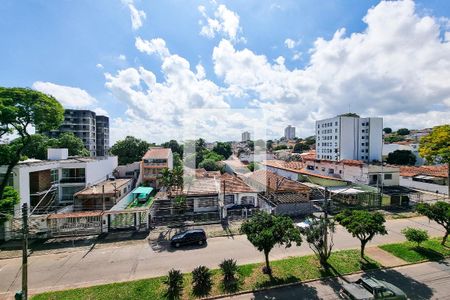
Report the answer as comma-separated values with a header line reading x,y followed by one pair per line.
x,y
167,179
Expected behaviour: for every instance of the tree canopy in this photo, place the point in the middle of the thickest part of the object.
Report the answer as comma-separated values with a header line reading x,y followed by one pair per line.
x,y
129,150
435,147
174,146
20,109
387,130
10,198
209,165
70,141
320,238
223,149
403,131
362,224
300,147
401,157
265,231
438,212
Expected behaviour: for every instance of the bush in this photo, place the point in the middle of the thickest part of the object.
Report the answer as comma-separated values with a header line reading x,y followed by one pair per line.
x,y
229,269
415,235
174,284
201,281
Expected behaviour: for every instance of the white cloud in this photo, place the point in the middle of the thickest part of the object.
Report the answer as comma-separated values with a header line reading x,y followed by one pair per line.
x,y
100,111
122,57
69,97
290,43
225,22
137,16
397,68
99,66
157,45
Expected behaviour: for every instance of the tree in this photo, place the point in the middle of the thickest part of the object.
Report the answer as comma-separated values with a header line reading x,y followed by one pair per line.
x,y
201,281
10,198
252,166
70,141
269,144
403,131
212,155
36,148
280,147
319,236
387,130
20,109
209,165
438,212
174,146
415,235
251,145
435,147
300,147
393,138
167,179
310,140
265,231
401,157
174,282
229,269
223,149
363,225
129,150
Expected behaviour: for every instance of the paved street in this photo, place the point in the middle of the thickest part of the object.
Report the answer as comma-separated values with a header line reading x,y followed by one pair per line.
x,y
141,260
422,281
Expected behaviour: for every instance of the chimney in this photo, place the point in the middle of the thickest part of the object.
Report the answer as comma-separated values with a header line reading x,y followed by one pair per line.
x,y
57,153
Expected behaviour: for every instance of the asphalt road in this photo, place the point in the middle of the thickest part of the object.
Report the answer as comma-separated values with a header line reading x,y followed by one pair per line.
x,y
421,281
143,260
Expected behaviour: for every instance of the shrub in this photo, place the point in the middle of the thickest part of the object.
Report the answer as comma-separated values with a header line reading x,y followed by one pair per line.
x,y
174,284
201,281
229,269
415,235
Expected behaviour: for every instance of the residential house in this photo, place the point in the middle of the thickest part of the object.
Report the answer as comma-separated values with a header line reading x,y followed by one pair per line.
x,y
154,161
103,195
427,178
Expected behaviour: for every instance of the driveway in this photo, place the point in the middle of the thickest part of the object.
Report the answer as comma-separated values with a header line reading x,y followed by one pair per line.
x,y
149,259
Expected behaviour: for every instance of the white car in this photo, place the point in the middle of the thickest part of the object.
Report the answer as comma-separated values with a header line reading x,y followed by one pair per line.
x,y
304,224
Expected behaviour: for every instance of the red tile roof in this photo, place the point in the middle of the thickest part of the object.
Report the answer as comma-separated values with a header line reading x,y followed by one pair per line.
x,y
157,152
437,171
276,182
234,184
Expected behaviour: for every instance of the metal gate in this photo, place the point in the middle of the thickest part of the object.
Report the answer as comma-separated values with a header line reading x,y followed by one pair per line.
x,y
127,220
73,224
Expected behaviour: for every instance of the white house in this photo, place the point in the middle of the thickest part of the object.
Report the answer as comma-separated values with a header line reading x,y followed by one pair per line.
x,y
349,137
53,182
413,147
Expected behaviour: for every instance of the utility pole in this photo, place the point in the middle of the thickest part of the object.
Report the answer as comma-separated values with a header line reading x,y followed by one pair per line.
x,y
325,236
103,197
25,251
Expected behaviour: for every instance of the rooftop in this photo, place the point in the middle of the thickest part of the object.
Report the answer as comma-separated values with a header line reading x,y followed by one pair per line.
x,y
276,182
157,152
109,186
234,184
436,171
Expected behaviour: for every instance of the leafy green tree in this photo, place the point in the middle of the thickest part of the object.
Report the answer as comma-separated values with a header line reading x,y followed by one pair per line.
x,y
415,235
70,141
251,145
269,144
265,231
403,131
209,165
201,281
166,179
319,236
401,157
362,224
36,148
438,212
394,138
212,155
310,140
280,147
252,166
174,282
10,198
387,130
177,161
174,146
20,109
300,147
435,147
223,149
129,150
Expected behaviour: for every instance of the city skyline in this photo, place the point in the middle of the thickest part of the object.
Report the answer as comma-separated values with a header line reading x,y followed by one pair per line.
x,y
133,63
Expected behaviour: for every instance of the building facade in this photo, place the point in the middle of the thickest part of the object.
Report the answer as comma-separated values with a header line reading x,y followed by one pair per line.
x,y
93,130
349,137
245,136
289,132
154,161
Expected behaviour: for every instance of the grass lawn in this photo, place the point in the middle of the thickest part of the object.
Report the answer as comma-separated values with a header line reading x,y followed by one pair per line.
x,y
429,250
135,203
293,269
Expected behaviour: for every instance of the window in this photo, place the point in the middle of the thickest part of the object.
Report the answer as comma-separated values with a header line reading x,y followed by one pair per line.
x,y
245,200
229,199
387,176
330,171
207,202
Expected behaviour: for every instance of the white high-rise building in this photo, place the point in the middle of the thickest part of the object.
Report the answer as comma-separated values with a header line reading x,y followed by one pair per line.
x,y
349,137
289,132
245,136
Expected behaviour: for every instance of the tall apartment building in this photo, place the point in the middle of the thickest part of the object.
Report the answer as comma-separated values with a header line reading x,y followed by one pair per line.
x,y
93,130
245,136
154,161
349,137
289,132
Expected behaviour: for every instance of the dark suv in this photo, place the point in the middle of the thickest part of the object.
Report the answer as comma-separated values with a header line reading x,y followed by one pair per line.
x,y
194,236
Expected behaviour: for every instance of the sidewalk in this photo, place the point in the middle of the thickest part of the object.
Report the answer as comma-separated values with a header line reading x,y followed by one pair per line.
x,y
385,258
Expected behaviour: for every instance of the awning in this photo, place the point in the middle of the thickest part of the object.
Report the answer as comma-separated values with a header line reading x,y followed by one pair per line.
x,y
143,190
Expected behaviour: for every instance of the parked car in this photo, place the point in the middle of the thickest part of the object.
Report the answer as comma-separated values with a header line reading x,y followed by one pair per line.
x,y
368,288
189,237
304,224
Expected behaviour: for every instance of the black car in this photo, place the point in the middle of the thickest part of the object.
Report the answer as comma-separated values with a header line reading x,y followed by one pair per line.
x,y
189,237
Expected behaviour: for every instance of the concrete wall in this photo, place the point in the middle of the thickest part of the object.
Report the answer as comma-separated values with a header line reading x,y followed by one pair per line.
x,y
284,173
408,182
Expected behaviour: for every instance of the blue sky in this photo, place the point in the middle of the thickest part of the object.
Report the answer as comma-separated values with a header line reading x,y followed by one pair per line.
x,y
281,58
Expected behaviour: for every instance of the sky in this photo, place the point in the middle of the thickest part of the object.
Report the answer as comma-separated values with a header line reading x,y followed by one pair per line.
x,y
171,69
